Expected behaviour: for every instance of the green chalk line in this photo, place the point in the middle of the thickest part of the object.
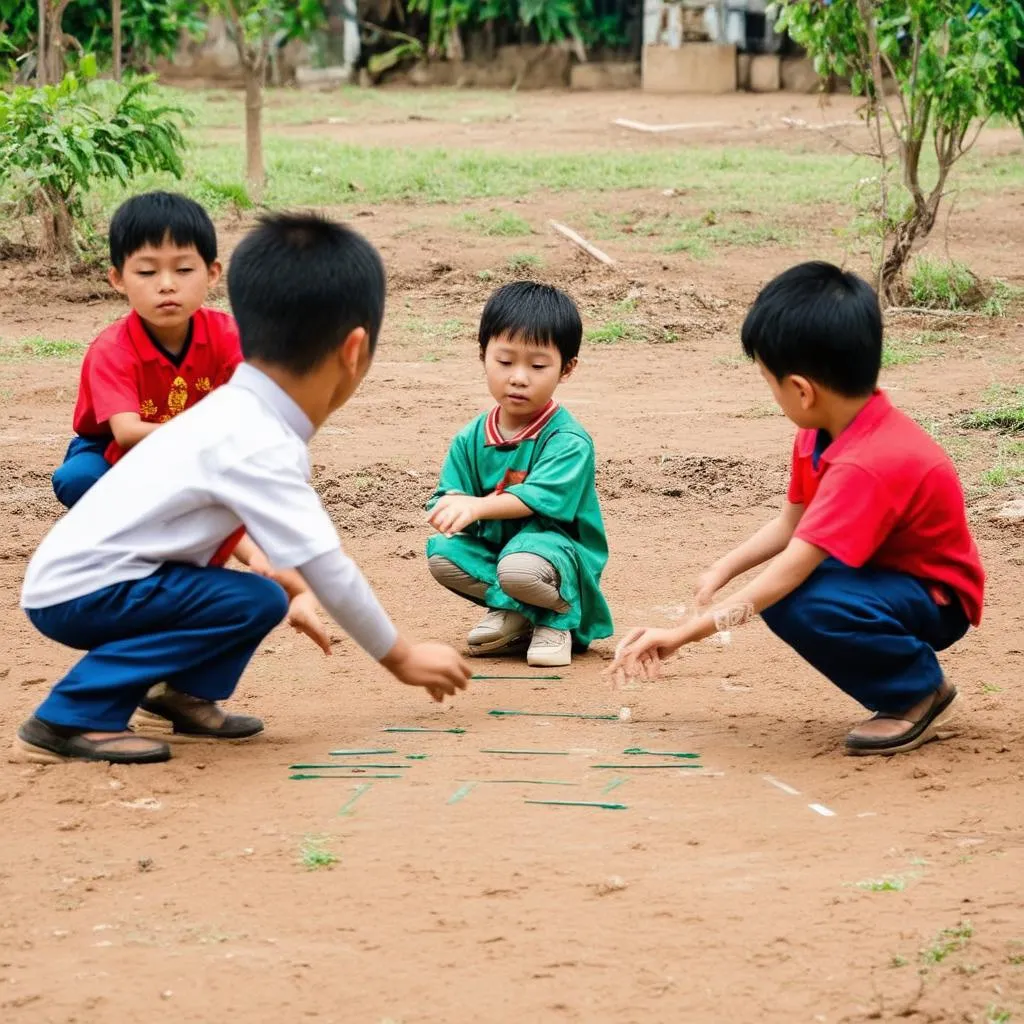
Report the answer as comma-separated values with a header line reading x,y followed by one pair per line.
x,y
531,679
578,803
417,728
614,784
461,793
416,757
659,753
557,714
526,782
346,807
360,753
345,767
301,776
546,753
680,767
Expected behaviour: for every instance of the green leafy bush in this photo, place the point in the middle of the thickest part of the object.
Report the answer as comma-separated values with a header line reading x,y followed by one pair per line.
x,y
57,141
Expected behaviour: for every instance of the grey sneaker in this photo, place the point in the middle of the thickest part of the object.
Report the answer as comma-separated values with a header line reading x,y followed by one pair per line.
x,y
550,648
499,632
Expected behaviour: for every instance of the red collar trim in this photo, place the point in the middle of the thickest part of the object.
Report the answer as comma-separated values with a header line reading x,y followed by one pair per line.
x,y
492,433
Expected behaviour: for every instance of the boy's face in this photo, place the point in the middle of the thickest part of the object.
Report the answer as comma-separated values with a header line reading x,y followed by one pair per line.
x,y
522,377
795,396
165,284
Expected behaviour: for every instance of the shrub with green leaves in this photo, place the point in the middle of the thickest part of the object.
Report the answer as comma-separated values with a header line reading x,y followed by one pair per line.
x,y
56,142
934,72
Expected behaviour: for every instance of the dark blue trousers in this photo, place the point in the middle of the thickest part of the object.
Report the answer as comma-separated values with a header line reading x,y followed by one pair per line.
x,y
192,628
872,632
83,465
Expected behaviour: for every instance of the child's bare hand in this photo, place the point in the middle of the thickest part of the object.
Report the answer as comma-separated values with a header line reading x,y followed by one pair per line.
x,y
454,512
708,585
435,667
302,616
642,652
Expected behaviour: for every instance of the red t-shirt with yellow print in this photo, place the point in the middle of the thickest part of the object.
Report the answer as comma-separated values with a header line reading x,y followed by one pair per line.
x,y
125,370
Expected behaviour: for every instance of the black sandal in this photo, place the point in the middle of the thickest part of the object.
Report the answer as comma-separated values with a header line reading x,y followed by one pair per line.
x,y
928,727
42,743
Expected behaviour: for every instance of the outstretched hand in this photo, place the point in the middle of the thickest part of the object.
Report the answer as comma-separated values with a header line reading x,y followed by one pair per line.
x,y
454,512
641,653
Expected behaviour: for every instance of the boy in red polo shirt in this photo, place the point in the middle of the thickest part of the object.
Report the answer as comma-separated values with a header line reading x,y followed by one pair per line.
x,y
873,566
166,354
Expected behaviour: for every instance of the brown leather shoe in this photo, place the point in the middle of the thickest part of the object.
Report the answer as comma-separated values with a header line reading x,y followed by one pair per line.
x,y
930,719
42,743
169,712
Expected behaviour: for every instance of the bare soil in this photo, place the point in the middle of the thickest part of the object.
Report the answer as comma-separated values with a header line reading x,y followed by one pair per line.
x,y
178,894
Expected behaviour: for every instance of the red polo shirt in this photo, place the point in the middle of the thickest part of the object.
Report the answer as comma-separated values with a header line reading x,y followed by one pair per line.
x,y
885,493
124,370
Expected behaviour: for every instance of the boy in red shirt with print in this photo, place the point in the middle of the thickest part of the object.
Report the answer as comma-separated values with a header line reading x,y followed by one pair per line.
x,y
873,566
166,354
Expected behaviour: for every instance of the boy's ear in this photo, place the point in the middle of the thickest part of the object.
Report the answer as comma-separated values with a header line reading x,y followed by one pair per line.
x,y
214,272
116,280
569,368
355,351
805,390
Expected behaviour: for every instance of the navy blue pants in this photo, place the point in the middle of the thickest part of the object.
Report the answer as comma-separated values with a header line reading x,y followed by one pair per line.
x,y
192,628
872,632
83,465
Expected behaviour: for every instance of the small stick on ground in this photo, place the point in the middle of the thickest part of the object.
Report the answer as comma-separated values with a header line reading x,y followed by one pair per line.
x,y
641,126
582,243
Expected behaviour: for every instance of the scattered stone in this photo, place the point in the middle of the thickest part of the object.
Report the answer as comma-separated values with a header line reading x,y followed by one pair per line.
x,y
613,883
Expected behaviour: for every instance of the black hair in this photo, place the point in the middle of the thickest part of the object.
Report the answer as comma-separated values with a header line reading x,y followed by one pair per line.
x,y
820,322
299,284
152,218
535,313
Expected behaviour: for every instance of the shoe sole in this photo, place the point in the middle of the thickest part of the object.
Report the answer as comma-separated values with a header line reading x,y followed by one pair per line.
x,y
515,644
940,728
28,753
549,660
145,723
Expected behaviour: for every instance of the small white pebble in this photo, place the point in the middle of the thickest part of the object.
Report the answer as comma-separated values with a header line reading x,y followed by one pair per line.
x,y
625,714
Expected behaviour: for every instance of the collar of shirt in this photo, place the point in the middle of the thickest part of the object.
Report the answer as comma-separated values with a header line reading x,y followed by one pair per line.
x,y
876,409
149,352
251,379
492,432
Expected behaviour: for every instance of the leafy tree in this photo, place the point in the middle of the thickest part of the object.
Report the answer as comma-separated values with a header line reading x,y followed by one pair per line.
x,y
57,141
258,26
952,65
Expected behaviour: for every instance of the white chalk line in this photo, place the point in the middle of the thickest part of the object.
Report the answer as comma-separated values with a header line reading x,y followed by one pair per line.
x,y
825,812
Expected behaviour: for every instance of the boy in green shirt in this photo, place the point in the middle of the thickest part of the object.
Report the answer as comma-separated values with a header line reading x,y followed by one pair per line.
x,y
519,527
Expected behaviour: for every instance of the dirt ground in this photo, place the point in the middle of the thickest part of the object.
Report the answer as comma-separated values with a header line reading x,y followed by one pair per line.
x,y
178,893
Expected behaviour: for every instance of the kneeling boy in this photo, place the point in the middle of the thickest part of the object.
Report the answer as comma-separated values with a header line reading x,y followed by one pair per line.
x,y
874,569
516,509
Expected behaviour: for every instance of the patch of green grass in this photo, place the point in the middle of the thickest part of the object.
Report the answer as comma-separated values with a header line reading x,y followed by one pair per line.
x,y
947,942
1004,411
495,224
904,350
1002,475
1002,299
700,237
898,961
313,856
942,284
40,348
611,332
995,1015
520,262
222,194
889,883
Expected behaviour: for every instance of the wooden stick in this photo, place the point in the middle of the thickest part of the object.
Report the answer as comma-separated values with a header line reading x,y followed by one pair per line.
x,y
582,243
640,126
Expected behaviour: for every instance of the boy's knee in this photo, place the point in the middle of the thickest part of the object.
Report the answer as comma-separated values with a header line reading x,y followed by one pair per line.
x,y
268,602
532,580
69,485
450,576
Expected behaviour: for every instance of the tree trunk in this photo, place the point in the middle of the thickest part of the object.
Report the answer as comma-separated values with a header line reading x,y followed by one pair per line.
x,y
919,225
55,39
42,54
56,227
116,17
254,171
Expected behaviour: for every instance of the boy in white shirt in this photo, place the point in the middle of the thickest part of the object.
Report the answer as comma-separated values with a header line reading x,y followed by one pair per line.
x,y
126,574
